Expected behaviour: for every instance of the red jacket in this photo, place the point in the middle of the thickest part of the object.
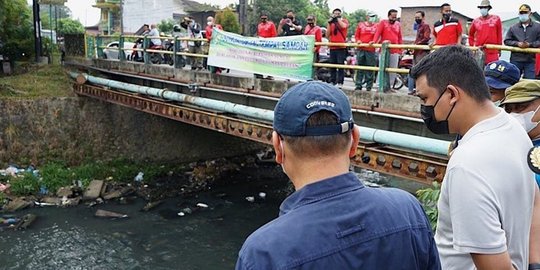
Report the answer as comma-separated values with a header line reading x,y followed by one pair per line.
x,y
314,31
447,33
338,35
266,30
365,32
486,31
209,30
391,32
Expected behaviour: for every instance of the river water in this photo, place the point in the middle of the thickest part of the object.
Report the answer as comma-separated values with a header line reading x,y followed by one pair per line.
x,y
72,238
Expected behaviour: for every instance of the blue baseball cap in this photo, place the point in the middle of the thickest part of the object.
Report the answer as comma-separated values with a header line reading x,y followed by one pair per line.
x,y
501,74
296,106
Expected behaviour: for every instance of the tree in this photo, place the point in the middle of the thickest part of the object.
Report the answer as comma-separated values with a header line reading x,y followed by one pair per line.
x,y
228,21
16,34
70,26
166,26
58,12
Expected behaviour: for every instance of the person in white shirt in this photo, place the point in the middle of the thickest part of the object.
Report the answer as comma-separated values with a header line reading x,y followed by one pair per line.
x,y
154,33
489,207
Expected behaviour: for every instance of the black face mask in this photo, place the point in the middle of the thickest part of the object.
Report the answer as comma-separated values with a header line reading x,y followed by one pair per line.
x,y
428,115
291,18
418,21
392,21
447,17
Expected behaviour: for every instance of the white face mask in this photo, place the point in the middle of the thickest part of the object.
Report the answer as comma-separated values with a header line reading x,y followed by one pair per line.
x,y
525,121
209,23
497,103
484,11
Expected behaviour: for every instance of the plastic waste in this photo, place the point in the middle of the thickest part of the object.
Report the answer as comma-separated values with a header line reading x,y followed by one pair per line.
x,y
139,177
43,190
181,214
250,199
12,170
262,195
202,205
4,187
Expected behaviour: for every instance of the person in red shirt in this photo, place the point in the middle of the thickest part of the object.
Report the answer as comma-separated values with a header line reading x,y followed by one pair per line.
x,y
337,32
486,29
365,31
266,28
209,28
390,30
538,66
447,30
313,30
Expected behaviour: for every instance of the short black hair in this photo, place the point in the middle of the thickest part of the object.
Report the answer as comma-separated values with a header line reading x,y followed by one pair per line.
x,y
290,10
453,65
264,13
336,9
146,25
422,13
444,5
391,11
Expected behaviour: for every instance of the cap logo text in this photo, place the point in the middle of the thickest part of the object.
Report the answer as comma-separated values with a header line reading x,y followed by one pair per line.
x,y
320,103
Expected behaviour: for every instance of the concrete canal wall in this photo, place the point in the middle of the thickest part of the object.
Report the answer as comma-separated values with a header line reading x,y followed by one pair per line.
x,y
74,129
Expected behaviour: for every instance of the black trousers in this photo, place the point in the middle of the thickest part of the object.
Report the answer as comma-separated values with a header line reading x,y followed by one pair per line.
x,y
337,56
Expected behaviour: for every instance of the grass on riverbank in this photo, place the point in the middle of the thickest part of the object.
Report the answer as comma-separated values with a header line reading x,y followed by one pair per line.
x,y
33,81
56,175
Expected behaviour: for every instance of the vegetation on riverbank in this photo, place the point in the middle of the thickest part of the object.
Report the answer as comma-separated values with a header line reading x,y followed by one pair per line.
x,y
34,81
429,198
55,175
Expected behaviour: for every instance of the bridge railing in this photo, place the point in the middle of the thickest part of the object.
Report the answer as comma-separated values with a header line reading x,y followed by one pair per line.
x,y
384,51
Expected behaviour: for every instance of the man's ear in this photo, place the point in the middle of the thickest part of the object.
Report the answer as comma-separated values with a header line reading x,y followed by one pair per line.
x,y
455,94
355,140
278,149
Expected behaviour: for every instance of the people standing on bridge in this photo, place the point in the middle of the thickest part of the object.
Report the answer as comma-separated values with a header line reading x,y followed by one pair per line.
x,y
524,34
390,30
333,221
423,36
154,36
486,29
313,30
500,75
447,30
289,26
337,33
210,25
522,100
194,47
265,29
485,206
365,56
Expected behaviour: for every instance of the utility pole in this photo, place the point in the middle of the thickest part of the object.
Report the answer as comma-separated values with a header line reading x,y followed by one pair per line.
x,y
37,29
242,14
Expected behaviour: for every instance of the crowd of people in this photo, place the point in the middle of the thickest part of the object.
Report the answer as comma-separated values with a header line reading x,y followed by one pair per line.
x,y
486,29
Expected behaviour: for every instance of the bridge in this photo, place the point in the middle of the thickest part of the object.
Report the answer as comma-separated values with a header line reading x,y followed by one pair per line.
x,y
394,140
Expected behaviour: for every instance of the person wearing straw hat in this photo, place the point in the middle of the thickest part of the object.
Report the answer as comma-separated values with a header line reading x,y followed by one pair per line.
x,y
524,34
486,29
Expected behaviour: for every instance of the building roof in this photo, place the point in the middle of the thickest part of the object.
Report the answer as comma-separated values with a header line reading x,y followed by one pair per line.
x,y
438,7
535,16
194,6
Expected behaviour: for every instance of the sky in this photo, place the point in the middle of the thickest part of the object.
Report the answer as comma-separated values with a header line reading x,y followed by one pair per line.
x,y
84,12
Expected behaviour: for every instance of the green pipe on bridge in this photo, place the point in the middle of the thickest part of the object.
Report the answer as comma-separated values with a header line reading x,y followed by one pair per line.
x,y
428,145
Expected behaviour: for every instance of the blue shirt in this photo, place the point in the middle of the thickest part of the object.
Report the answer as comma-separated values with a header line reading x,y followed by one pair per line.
x,y
338,223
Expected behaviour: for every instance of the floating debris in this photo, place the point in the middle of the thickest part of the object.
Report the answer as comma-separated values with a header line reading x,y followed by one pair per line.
x,y
202,205
109,214
250,199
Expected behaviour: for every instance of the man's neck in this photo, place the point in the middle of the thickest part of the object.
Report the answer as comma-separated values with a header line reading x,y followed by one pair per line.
x,y
486,111
303,172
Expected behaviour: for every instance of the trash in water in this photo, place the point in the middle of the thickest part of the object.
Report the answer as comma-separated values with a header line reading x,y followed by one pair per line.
x,y
9,222
109,214
202,205
139,177
250,199
262,195
149,206
11,170
181,214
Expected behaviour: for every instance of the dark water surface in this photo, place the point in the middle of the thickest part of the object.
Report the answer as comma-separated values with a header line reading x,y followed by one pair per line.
x,y
73,238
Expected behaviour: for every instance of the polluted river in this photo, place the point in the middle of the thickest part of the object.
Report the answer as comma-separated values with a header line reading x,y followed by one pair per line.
x,y
200,230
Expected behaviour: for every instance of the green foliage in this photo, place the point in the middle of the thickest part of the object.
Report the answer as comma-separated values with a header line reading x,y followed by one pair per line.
x,y
228,21
56,175
25,184
16,34
166,26
429,198
70,26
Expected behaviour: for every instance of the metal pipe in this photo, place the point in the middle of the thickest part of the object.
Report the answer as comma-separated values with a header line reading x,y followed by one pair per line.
x,y
379,136
217,105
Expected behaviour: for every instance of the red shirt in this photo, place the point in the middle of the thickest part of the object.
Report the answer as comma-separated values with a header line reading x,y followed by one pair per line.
x,y
209,30
447,33
486,31
314,31
338,35
266,30
538,65
365,32
389,32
